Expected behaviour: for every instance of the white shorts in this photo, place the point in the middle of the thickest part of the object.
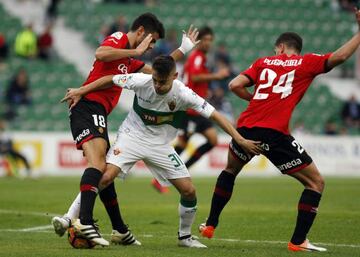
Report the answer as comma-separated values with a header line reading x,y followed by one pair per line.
x,y
162,160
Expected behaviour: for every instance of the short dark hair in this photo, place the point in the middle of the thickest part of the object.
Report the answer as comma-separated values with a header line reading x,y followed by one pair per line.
x,y
291,39
204,31
163,65
150,23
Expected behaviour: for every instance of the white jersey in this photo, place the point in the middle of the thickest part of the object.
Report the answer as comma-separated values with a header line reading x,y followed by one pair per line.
x,y
155,118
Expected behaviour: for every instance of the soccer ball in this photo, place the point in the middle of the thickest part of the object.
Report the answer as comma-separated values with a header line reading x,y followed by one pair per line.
x,y
78,241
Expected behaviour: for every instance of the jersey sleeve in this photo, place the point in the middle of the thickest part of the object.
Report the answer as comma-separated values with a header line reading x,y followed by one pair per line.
x,y
115,40
131,81
252,72
315,64
195,102
135,65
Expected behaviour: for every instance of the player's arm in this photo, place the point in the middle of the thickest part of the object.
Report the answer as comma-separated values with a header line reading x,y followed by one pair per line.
x,y
108,53
73,95
239,87
347,49
208,111
249,146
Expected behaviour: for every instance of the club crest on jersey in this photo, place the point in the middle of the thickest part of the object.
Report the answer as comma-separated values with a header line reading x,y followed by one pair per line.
x,y
123,68
101,130
172,105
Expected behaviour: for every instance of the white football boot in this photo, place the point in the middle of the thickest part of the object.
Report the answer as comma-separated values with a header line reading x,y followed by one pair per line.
x,y
123,239
190,241
90,232
61,224
305,246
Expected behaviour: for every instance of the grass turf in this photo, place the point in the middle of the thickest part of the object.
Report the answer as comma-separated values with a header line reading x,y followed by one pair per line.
x,y
258,221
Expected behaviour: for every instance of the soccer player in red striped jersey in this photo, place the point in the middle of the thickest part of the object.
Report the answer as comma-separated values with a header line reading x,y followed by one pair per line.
x,y
88,121
197,77
280,83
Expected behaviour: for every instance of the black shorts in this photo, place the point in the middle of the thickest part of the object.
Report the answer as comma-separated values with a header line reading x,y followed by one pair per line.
x,y
195,124
282,150
88,119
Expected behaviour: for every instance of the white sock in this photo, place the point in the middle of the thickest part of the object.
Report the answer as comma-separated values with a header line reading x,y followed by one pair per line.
x,y
187,217
74,210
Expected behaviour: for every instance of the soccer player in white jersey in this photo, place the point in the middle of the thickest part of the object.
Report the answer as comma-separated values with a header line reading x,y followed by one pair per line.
x,y
159,105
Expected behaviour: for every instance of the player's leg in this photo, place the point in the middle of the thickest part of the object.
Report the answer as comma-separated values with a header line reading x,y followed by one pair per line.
x,y
187,211
237,158
222,193
89,129
94,151
307,207
167,167
120,158
291,159
206,128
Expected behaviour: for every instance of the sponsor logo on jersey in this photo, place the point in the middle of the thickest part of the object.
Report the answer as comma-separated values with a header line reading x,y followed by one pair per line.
x,y
157,119
289,165
83,134
123,68
278,62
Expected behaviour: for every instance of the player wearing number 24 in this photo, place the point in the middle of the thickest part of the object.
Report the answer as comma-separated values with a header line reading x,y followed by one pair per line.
x,y
280,83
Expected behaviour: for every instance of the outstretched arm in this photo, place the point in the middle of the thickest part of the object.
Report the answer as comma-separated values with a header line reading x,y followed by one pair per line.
x,y
249,146
347,49
73,95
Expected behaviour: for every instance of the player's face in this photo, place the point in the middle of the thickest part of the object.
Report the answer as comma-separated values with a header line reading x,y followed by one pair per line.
x,y
206,43
163,84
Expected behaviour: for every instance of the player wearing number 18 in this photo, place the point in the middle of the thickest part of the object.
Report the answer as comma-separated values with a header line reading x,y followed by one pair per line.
x,y
280,83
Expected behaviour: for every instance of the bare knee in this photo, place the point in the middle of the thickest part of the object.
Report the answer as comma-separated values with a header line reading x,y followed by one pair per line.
x,y
188,193
106,180
318,184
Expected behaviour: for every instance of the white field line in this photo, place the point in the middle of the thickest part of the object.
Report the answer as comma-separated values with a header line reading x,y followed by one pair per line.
x,y
44,229
29,213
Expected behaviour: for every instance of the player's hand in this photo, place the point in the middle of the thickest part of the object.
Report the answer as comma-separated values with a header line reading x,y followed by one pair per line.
x,y
223,73
357,16
251,147
189,39
72,97
144,45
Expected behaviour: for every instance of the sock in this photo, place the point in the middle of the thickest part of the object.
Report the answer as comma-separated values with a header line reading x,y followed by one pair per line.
x,y
109,198
187,211
307,209
89,190
179,149
198,153
74,210
222,194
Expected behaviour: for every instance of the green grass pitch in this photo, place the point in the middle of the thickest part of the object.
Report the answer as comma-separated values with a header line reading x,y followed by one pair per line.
x,y
258,221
